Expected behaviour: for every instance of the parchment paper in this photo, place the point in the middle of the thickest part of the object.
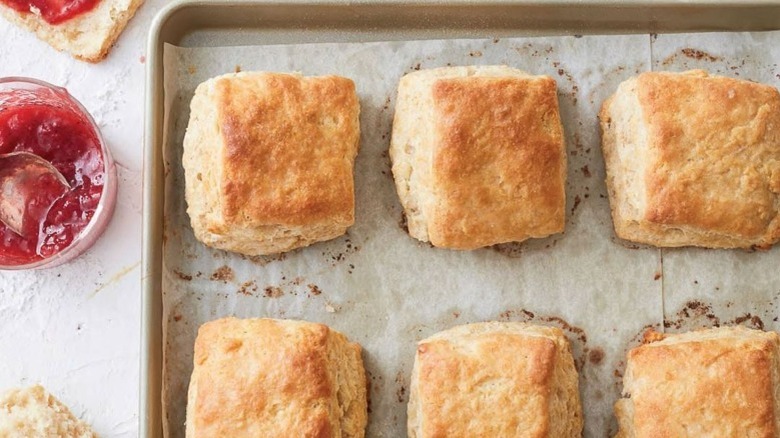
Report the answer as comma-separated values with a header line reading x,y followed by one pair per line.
x,y
387,291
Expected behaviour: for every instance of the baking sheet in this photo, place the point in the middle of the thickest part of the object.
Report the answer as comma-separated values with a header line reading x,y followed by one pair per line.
x,y
388,291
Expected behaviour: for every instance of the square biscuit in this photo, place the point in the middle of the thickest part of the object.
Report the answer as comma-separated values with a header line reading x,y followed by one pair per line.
x,y
693,160
495,380
478,156
710,383
268,161
275,378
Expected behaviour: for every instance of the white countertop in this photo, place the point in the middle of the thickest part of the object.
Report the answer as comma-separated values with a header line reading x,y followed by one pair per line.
x,y
76,328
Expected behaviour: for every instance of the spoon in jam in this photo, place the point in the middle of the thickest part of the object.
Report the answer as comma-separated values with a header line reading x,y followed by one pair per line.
x,y
29,185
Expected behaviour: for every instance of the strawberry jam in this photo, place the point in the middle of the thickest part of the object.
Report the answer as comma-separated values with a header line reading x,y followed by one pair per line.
x,y
53,11
47,123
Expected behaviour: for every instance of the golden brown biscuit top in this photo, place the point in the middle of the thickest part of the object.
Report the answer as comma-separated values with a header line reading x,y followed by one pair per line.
x,y
485,385
290,142
499,164
715,151
272,383
711,387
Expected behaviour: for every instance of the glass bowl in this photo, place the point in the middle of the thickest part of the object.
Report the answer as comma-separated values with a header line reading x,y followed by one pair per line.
x,y
18,91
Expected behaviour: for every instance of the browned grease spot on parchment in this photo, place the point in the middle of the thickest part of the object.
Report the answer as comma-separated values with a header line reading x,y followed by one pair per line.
x,y
182,276
696,314
273,292
248,288
369,390
266,259
374,384
569,79
596,356
577,201
224,274
690,53
698,54
387,163
336,256
752,320
511,250
515,250
400,392
403,224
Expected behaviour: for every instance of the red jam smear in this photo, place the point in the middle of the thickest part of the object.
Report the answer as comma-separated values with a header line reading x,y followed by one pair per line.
x,y
54,11
59,133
